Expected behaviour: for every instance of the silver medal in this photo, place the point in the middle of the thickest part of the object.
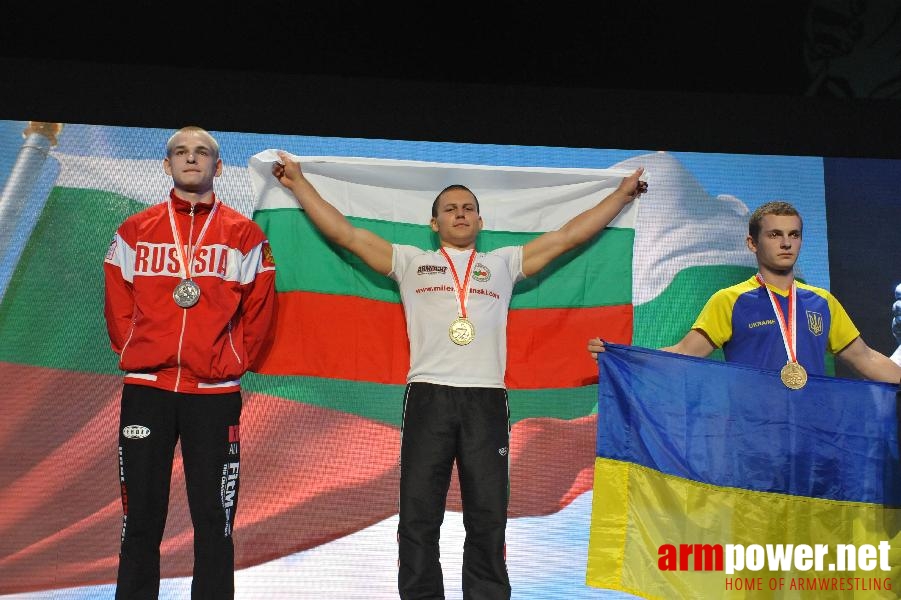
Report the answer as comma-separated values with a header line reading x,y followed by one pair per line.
x,y
186,293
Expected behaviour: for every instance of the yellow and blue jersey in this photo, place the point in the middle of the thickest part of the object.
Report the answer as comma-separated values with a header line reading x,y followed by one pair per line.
x,y
741,321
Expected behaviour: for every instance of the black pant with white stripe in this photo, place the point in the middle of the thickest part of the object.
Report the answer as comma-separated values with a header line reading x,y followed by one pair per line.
x,y
472,426
151,421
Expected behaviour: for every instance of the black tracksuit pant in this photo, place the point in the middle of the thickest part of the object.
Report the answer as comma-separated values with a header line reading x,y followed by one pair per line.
x,y
151,421
472,426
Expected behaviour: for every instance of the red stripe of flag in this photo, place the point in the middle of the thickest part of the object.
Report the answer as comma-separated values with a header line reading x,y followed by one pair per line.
x,y
347,337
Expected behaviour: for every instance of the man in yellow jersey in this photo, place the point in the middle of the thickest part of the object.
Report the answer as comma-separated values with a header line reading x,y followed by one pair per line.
x,y
772,321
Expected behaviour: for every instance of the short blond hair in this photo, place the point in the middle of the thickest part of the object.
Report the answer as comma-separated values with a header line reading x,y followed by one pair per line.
x,y
192,129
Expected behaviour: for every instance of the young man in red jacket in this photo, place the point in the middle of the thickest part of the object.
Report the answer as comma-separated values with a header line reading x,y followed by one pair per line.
x,y
189,300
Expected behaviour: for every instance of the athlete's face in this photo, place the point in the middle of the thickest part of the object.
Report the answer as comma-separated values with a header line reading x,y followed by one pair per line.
x,y
193,162
778,244
458,221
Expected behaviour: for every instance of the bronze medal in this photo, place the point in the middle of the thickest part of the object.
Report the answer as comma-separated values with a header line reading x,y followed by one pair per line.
x,y
186,293
462,331
793,376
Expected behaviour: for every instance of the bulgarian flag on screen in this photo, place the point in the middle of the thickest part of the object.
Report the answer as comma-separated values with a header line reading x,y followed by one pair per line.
x,y
320,426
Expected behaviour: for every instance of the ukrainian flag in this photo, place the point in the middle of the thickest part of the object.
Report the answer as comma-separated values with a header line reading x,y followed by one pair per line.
x,y
694,451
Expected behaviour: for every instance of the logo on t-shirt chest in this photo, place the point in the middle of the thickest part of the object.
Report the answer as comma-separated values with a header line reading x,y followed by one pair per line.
x,y
481,273
431,270
815,322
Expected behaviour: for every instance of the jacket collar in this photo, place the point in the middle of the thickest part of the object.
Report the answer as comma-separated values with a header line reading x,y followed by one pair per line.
x,y
183,206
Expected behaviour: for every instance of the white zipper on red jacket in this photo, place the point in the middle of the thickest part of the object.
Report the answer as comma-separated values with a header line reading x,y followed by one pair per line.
x,y
184,311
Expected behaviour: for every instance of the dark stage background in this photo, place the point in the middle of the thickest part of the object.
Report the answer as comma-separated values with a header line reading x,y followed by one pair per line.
x,y
818,78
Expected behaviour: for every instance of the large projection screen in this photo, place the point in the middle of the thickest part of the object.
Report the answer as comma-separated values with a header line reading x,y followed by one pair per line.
x,y
318,506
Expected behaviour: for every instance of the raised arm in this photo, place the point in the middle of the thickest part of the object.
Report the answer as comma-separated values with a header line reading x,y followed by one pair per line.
x,y
578,230
869,363
372,249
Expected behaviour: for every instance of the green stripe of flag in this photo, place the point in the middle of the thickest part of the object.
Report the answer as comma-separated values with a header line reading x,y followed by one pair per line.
x,y
596,274
52,313
667,318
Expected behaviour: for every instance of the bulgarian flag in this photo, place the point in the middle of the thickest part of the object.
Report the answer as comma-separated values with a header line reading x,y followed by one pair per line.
x,y
338,319
340,339
321,422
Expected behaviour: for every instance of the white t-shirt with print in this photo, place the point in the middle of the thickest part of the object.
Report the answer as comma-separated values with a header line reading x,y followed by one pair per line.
x,y
431,304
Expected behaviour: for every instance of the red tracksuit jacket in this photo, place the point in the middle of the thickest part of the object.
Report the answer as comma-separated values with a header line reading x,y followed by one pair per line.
x,y
206,348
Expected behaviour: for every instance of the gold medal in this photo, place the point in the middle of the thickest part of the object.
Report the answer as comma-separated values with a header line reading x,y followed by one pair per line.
x,y
793,376
462,331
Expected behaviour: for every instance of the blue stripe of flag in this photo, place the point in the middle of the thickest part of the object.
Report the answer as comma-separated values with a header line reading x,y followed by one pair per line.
x,y
737,426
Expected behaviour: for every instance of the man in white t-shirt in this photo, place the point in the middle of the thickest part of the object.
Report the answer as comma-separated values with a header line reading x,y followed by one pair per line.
x,y
455,301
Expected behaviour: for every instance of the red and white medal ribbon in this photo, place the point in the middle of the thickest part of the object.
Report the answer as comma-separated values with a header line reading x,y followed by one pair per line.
x,y
462,292
787,327
186,260
461,331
